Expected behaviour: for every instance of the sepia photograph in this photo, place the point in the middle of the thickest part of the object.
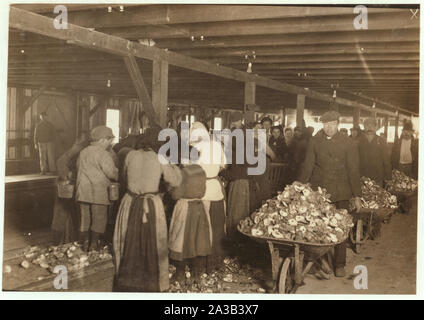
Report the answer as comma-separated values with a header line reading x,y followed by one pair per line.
x,y
252,148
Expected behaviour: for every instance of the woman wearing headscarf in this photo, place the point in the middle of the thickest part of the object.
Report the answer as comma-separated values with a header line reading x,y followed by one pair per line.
x,y
212,160
140,241
198,222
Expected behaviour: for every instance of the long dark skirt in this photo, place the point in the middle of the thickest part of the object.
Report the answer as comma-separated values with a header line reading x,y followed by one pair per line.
x,y
242,201
217,214
141,261
195,235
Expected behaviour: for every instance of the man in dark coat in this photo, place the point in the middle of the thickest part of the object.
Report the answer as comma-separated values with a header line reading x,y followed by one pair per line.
x,y
44,139
374,160
332,162
297,150
405,152
277,144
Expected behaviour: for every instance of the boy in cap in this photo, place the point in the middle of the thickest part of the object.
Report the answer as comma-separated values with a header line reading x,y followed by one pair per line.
x,y
374,161
95,170
332,162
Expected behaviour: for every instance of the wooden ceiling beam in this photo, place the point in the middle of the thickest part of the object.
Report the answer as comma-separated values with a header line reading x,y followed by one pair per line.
x,y
392,77
347,71
179,14
399,20
27,21
306,49
331,65
320,58
294,39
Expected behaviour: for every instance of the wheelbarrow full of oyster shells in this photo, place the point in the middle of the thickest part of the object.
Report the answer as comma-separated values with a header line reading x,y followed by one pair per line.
x,y
292,260
367,225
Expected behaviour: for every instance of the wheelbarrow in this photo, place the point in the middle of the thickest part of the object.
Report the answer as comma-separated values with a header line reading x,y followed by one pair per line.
x,y
365,225
292,260
404,198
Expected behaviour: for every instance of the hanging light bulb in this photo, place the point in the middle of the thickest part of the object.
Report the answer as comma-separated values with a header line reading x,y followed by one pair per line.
x,y
373,104
108,83
249,67
192,38
22,51
121,8
109,9
334,94
202,38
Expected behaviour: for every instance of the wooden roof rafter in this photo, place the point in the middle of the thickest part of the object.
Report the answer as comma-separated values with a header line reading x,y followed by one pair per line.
x,y
27,21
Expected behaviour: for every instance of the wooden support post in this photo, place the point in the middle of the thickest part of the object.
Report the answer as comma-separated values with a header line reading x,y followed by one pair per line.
x,y
249,99
356,116
140,87
396,128
78,119
160,90
19,134
386,127
283,115
334,106
300,110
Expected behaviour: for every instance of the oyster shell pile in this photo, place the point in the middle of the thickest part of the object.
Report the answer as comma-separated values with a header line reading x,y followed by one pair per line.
x,y
70,255
375,197
302,214
401,182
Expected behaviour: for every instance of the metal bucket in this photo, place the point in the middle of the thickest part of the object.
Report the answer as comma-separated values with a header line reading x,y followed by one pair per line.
x,y
65,190
114,191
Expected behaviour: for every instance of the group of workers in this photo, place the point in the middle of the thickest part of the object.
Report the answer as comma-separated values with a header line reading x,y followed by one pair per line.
x,y
188,212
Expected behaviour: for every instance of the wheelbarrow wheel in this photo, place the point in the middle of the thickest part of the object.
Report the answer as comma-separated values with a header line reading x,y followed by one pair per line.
x,y
359,235
285,282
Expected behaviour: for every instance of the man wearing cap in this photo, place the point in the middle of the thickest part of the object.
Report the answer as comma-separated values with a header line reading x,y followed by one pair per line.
x,y
96,168
405,152
44,137
355,133
236,119
332,162
266,123
374,160
343,131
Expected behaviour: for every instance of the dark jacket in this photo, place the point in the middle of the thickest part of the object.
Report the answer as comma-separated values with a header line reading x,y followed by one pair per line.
x,y
414,152
67,162
297,154
44,132
332,164
374,160
279,147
